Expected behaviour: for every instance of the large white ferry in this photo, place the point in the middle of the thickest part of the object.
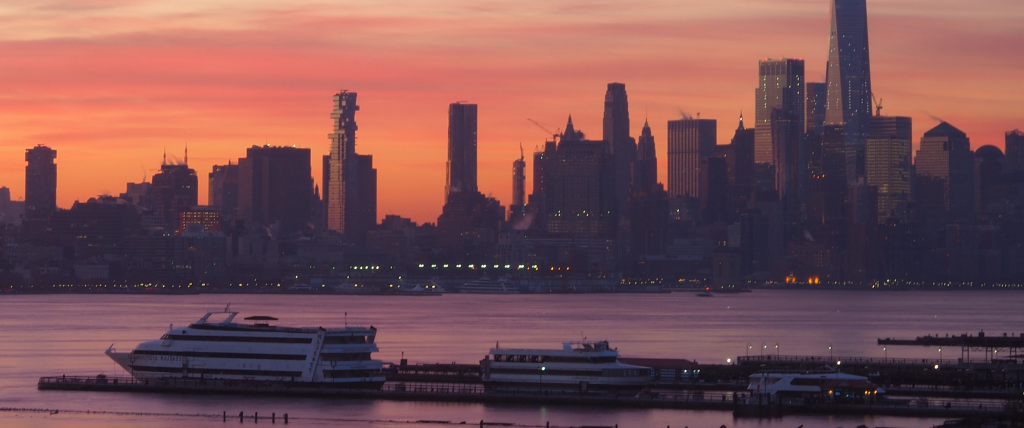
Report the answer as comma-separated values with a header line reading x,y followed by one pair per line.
x,y
577,367
224,349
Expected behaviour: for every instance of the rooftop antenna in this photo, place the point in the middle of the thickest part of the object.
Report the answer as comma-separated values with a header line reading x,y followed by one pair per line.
x,y
165,157
186,153
521,155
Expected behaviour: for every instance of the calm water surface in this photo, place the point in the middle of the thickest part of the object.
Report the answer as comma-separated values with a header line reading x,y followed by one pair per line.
x,y
66,334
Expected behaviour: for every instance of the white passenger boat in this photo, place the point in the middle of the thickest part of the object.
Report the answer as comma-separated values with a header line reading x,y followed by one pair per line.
x,y
224,349
490,286
577,367
823,384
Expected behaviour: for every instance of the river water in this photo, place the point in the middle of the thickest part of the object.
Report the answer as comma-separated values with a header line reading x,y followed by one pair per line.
x,y
51,335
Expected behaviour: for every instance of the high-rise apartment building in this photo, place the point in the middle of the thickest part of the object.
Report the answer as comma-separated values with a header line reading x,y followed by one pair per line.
x,y
689,140
780,88
40,183
342,166
275,187
945,157
461,149
848,78
888,164
223,189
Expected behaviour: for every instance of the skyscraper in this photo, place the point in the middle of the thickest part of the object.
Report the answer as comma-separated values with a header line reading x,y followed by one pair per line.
x,y
342,169
945,156
468,225
1014,148
223,190
646,168
461,149
275,187
780,87
579,198
174,190
621,146
518,186
689,140
40,183
848,78
817,94
888,164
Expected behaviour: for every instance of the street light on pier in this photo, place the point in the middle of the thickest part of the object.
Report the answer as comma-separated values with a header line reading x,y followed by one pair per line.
x,y
886,351
763,347
940,355
776,350
830,351
749,347
542,370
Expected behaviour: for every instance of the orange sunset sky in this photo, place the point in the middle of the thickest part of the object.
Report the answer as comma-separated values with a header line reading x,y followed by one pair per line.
x,y
110,84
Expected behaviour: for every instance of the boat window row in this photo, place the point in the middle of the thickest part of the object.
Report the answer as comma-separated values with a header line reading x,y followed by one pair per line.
x,y
551,359
193,371
342,374
626,372
345,340
547,372
237,355
345,356
251,339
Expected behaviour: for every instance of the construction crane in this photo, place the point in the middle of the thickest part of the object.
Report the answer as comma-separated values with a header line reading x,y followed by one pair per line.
x,y
878,104
554,135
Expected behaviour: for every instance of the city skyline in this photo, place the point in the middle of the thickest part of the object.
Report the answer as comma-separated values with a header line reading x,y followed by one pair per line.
x,y
230,83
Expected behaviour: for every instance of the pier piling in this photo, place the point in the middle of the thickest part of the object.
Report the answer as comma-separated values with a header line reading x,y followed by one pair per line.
x,y
273,418
240,416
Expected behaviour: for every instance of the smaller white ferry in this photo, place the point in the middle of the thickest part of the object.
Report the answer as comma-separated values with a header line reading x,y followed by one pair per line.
x,y
823,385
490,286
578,367
224,349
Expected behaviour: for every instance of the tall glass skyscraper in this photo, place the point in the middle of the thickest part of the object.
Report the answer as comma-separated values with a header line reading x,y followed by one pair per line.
x,y
849,81
342,168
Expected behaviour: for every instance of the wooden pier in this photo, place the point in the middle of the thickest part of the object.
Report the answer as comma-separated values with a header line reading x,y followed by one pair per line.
x,y
475,393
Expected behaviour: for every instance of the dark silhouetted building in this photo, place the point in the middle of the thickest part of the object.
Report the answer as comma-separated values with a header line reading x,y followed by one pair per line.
x,y
1015,148
467,229
95,228
689,140
223,190
888,164
275,187
817,96
174,190
518,207
461,148
40,183
848,77
945,155
621,146
646,167
580,194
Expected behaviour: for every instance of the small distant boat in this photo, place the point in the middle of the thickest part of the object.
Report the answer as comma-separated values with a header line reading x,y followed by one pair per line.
x,y
705,294
489,286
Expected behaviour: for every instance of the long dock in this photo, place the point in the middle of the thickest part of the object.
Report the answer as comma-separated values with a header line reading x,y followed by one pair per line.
x,y
475,393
